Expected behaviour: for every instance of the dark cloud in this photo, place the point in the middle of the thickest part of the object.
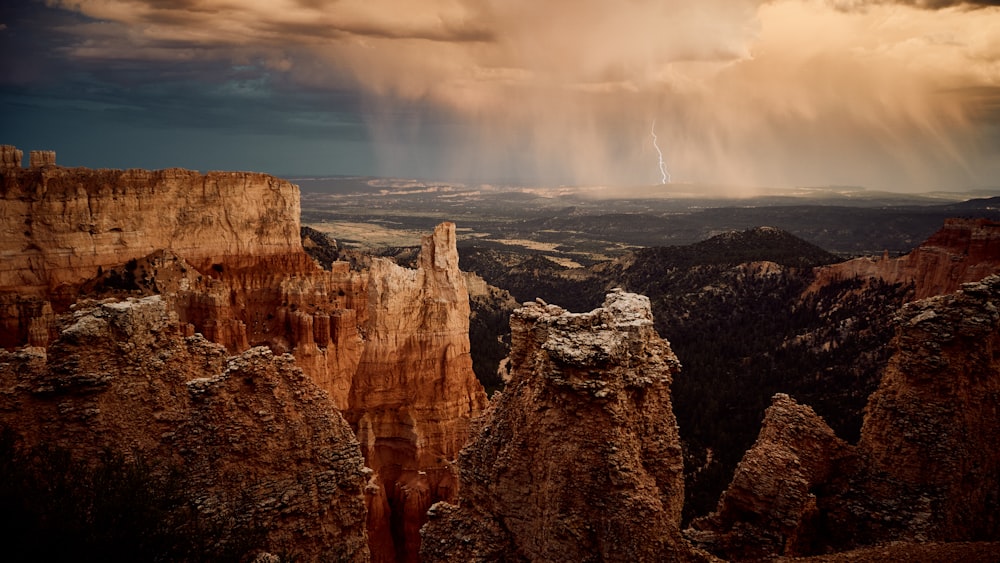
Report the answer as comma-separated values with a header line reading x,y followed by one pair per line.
x,y
924,4
937,4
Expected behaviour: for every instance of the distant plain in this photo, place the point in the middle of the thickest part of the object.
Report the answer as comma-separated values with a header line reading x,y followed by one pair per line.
x,y
582,225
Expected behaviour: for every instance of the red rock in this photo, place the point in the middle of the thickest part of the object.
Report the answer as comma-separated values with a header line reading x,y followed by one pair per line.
x,y
964,250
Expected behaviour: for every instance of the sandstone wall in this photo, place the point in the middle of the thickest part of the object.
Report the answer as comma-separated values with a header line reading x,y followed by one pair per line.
x,y
414,392
964,250
58,225
579,458
388,344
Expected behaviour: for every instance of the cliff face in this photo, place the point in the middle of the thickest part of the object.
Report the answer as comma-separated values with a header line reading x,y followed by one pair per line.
x,y
60,224
579,458
253,438
414,391
389,345
932,430
964,250
925,468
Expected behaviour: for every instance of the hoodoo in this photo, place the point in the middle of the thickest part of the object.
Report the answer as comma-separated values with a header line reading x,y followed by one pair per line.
x,y
579,458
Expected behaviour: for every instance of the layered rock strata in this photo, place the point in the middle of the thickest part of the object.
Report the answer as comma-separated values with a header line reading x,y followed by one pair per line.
x,y
253,437
59,225
925,468
579,458
10,157
414,392
390,345
963,251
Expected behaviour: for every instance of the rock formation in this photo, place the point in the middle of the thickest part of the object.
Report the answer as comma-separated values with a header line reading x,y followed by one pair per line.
x,y
252,436
39,159
10,157
770,508
388,344
414,392
964,250
579,458
932,429
925,468
60,224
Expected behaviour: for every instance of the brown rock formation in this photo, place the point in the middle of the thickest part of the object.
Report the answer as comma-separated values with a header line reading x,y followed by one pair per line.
x,y
10,157
122,377
59,225
926,466
770,508
414,392
390,345
964,250
38,159
579,458
932,429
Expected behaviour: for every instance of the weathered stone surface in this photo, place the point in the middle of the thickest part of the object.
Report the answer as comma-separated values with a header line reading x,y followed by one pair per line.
x,y
414,392
926,466
389,344
58,225
932,429
964,250
10,157
38,159
770,508
122,377
579,458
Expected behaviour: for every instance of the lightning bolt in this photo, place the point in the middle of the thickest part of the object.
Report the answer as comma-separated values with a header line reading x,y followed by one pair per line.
x,y
664,175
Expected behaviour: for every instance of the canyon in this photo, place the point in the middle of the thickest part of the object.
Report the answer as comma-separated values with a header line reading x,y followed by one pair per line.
x,y
326,409
388,345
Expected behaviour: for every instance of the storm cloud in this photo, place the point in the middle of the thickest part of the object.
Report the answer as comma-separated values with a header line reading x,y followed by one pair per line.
x,y
899,95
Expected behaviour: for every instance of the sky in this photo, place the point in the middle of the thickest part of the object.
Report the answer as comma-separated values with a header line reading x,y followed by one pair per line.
x,y
898,95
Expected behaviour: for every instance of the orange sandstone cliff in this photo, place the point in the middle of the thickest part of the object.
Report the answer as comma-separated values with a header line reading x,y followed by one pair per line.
x,y
388,344
964,250
579,458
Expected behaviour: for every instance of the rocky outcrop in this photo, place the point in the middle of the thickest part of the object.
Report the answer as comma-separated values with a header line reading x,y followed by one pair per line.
x,y
253,437
770,508
10,157
925,468
932,429
39,159
414,392
579,458
388,344
963,251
